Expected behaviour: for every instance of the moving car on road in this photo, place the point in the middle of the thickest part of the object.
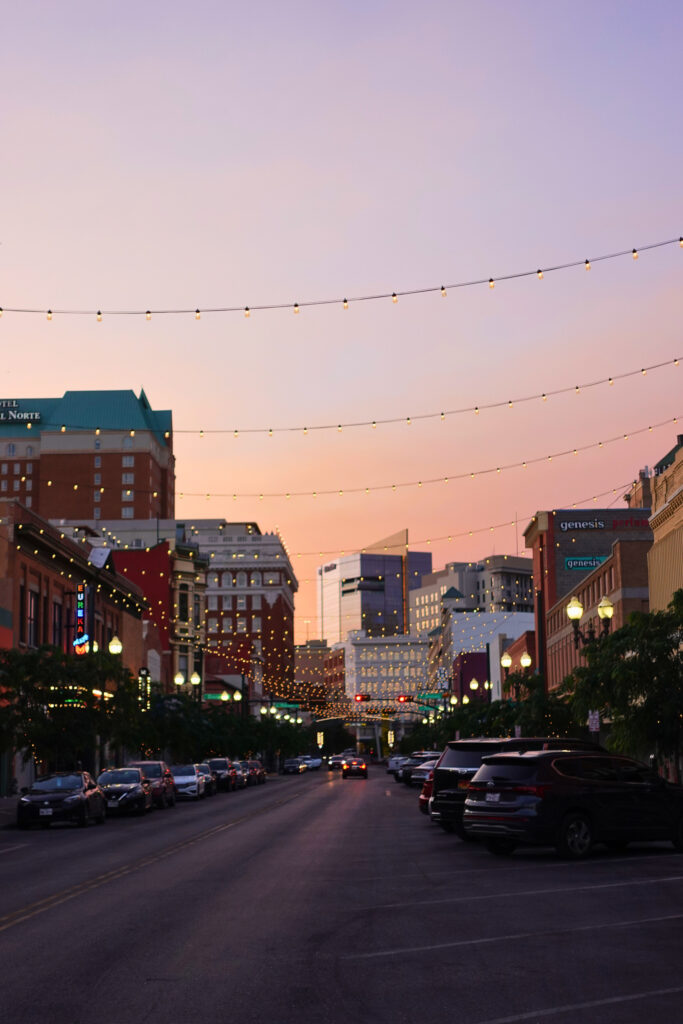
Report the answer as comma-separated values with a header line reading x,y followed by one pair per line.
x,y
127,790
335,762
570,800
293,766
354,766
63,796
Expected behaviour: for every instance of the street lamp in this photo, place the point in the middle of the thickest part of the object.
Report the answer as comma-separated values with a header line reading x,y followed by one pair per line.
x,y
225,696
525,660
575,611
179,678
474,684
115,645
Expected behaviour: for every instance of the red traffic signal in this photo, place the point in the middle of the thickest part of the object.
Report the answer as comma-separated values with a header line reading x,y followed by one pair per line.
x,y
362,696
403,698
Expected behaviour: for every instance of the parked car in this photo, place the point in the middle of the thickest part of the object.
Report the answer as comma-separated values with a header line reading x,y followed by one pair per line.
x,y
571,800
127,790
240,777
354,766
161,780
335,762
248,772
210,779
421,772
293,766
395,762
189,781
63,796
462,758
426,793
259,771
225,778
405,773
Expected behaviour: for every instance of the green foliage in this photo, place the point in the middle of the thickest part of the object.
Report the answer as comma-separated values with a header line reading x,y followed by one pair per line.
x,y
634,678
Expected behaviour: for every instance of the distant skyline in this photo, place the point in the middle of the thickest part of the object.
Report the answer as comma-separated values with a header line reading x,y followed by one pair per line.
x,y
162,157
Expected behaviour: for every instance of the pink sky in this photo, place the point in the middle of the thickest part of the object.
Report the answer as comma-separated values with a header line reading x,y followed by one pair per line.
x,y
168,156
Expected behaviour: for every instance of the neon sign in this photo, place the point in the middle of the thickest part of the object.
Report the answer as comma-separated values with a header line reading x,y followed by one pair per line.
x,y
81,641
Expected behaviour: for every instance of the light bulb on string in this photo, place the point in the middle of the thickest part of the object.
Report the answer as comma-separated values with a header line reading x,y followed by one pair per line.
x,y
345,303
197,315
99,316
49,314
444,293
587,264
539,274
492,283
148,315
635,254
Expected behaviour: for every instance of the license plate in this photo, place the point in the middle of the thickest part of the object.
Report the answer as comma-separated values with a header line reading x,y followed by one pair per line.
x,y
493,797
112,803
46,811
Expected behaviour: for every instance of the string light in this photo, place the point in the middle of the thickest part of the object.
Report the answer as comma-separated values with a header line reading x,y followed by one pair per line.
x,y
49,314
99,316
148,315
197,315
567,265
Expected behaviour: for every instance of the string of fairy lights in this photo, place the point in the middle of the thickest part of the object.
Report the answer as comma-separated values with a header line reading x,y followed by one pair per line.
x,y
131,492
339,427
342,301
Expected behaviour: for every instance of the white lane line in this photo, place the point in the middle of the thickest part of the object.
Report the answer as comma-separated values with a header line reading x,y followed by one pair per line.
x,y
527,892
8,849
569,1008
508,938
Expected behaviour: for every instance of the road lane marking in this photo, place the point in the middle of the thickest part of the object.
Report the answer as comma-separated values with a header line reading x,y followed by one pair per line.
x,y
56,899
591,1004
509,938
526,892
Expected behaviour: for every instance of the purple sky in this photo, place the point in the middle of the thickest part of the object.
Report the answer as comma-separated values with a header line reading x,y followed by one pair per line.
x,y
168,155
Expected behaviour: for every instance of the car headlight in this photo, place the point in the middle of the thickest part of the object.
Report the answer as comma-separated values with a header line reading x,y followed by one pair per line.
x,y
73,799
25,800
132,792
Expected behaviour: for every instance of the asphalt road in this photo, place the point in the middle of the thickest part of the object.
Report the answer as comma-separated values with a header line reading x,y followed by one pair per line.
x,y
318,900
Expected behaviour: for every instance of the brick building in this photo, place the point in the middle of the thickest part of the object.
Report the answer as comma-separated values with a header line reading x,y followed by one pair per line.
x,y
90,455
665,558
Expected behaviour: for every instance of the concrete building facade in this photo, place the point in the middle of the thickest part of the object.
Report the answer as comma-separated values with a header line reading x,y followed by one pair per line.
x,y
665,557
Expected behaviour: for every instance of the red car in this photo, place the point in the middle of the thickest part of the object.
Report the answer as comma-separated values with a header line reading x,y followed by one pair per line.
x,y
161,781
426,792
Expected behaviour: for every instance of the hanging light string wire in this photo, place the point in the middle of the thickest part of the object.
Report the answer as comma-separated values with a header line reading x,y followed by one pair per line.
x,y
340,491
344,301
392,420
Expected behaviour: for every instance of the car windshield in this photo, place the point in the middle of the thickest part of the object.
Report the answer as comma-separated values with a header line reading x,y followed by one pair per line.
x,y
182,769
463,758
204,769
124,777
152,771
52,783
219,764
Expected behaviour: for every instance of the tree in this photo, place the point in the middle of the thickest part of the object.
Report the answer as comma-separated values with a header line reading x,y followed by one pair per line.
x,y
634,678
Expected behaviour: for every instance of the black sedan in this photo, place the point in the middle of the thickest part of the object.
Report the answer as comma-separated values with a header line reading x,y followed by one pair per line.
x,y
354,766
127,790
64,796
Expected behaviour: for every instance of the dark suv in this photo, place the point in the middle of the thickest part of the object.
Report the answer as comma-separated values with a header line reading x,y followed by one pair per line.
x,y
462,758
571,800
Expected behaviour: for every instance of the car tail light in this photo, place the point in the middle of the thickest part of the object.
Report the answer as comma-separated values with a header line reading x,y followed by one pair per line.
x,y
539,791
363,766
430,776
476,786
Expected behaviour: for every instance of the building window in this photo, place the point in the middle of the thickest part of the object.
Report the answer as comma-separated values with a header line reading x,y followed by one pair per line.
x,y
98,512
241,602
29,485
271,578
96,496
227,625
3,468
32,618
241,579
98,443
256,579
227,579
17,467
29,501
98,479
212,602
241,625
183,604
56,624
127,442
256,602
11,449
127,461
213,625
256,624
127,496
98,461
29,468
127,513
3,485
128,478
15,485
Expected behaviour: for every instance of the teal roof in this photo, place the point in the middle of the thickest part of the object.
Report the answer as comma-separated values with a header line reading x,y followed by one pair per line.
x,y
87,410
453,592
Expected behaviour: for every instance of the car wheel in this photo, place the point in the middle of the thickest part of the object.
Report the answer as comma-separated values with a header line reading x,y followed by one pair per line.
x,y
502,847
678,835
575,837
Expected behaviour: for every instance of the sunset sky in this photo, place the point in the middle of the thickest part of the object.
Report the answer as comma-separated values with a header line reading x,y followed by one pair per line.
x,y
168,155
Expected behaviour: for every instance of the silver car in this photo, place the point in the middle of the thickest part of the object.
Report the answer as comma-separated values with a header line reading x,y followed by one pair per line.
x,y
189,781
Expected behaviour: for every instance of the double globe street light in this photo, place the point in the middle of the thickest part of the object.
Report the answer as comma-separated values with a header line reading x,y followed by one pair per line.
x,y
575,612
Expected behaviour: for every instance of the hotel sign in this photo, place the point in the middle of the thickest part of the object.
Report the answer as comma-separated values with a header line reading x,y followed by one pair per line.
x,y
11,413
584,562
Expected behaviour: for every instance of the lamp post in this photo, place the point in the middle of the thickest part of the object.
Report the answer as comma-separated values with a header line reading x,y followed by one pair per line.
x,y
506,662
605,613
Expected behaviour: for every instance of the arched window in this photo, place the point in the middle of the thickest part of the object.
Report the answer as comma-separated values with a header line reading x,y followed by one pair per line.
x,y
256,579
227,579
241,579
11,449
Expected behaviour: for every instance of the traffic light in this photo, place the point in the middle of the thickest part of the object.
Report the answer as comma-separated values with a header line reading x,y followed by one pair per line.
x,y
362,696
403,698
